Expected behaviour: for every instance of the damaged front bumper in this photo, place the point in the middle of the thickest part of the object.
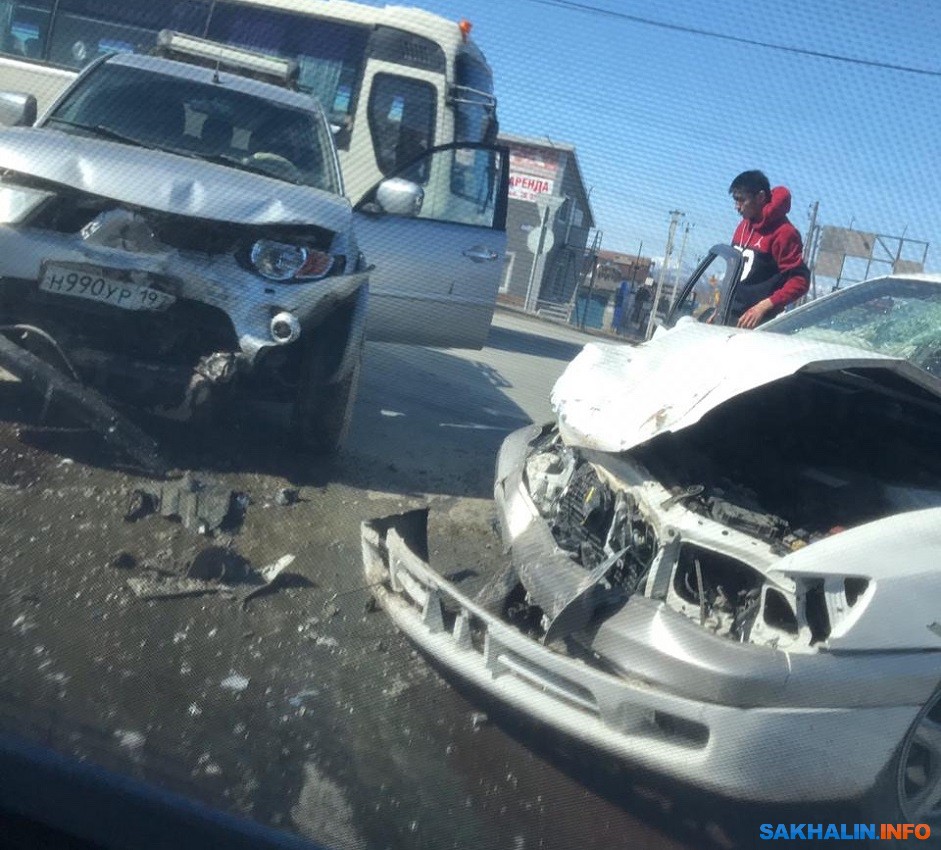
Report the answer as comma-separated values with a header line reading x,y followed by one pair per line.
x,y
248,302
743,721
210,320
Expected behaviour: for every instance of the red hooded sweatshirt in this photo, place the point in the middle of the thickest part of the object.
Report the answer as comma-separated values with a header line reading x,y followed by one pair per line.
x,y
773,254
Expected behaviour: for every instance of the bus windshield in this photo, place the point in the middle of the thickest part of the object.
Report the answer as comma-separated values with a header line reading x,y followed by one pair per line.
x,y
329,53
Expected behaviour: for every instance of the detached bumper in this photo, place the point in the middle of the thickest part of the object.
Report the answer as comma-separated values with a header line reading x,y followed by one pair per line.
x,y
759,754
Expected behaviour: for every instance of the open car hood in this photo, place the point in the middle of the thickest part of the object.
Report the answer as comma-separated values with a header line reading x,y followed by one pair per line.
x,y
166,182
614,397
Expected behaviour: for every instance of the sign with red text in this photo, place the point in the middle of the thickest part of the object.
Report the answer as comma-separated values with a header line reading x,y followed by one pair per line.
x,y
528,187
533,172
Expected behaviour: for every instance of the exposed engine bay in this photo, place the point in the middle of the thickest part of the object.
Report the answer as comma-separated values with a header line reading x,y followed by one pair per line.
x,y
701,518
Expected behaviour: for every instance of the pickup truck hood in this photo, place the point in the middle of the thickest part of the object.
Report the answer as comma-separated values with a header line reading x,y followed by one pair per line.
x,y
614,397
167,182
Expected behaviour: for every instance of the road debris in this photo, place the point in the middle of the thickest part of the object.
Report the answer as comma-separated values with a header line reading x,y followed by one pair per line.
x,y
287,496
218,563
129,739
123,561
83,402
200,506
23,624
164,586
298,699
269,576
217,570
478,720
236,682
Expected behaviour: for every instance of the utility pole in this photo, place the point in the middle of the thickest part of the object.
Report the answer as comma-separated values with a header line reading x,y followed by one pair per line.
x,y
809,247
675,216
679,266
810,231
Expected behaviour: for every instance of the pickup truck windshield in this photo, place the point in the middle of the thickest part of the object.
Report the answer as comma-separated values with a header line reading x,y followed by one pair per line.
x,y
214,121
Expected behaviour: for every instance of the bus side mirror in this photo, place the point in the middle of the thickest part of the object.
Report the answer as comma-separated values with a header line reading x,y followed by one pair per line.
x,y
341,135
397,196
17,109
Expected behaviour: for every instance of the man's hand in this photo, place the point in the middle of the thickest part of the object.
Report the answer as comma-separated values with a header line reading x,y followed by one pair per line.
x,y
752,317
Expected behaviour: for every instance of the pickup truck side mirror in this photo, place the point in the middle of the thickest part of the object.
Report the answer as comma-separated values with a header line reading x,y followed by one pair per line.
x,y
397,196
17,109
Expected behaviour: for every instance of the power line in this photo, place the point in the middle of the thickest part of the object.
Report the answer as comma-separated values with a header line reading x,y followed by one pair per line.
x,y
800,51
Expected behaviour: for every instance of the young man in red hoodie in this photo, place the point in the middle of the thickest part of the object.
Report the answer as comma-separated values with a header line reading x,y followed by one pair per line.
x,y
773,272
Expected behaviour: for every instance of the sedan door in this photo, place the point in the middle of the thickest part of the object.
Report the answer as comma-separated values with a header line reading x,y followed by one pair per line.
x,y
435,237
710,293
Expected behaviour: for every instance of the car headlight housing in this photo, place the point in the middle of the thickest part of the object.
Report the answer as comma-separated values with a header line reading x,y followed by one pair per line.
x,y
281,261
18,202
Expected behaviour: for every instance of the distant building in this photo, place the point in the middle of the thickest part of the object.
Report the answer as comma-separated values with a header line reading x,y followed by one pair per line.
x,y
608,299
612,267
548,209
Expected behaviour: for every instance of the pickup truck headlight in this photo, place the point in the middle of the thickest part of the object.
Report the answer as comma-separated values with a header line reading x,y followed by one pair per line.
x,y
17,202
279,261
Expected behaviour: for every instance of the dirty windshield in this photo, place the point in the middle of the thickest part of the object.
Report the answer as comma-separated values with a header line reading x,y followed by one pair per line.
x,y
212,121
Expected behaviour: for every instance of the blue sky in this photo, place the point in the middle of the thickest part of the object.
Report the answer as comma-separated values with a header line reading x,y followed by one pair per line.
x,y
664,120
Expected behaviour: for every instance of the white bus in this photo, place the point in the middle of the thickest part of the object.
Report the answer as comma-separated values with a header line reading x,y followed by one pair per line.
x,y
396,83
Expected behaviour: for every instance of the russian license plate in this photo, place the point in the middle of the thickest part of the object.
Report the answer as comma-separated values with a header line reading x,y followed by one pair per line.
x,y
104,289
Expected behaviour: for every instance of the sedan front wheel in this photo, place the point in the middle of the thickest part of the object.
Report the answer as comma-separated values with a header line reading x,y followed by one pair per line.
x,y
908,791
918,772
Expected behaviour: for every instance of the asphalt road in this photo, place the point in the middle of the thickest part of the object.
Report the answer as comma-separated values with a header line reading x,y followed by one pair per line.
x,y
304,709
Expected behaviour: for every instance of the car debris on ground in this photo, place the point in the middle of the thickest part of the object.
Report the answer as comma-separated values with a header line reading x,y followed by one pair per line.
x,y
163,584
85,403
201,506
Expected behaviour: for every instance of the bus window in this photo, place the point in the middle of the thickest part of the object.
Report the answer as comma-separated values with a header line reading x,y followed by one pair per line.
x,y
474,103
329,54
388,44
475,118
87,29
25,27
401,121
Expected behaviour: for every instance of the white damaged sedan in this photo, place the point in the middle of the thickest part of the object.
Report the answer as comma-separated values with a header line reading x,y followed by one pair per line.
x,y
725,559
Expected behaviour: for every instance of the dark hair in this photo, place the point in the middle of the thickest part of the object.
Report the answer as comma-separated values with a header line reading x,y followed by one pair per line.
x,y
751,182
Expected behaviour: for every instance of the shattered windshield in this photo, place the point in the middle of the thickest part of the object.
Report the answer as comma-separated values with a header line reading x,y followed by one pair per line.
x,y
198,120
901,318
